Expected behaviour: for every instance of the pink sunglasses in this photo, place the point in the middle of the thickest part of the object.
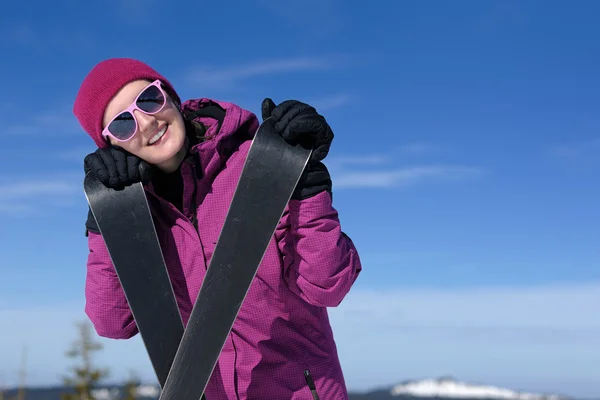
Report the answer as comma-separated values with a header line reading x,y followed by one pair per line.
x,y
150,101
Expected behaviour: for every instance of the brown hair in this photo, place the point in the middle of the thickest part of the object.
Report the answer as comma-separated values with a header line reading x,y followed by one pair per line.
x,y
194,130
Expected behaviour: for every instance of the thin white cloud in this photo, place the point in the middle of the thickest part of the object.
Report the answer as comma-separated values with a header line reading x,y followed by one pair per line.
x,y
26,197
421,148
559,306
417,149
39,38
75,154
402,177
228,76
15,209
357,160
51,122
328,103
23,190
577,149
390,169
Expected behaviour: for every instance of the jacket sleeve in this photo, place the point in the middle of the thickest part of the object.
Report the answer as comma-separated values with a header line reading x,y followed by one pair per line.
x,y
106,304
320,261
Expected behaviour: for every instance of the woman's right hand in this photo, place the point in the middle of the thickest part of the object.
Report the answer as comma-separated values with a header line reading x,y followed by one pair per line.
x,y
116,168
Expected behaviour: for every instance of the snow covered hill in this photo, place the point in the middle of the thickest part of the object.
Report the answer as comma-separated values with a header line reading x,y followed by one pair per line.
x,y
452,388
426,389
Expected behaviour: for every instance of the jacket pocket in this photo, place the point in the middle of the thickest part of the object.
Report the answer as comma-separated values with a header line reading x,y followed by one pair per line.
x,y
311,384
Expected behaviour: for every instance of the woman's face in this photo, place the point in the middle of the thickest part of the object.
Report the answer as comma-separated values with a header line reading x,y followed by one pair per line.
x,y
164,152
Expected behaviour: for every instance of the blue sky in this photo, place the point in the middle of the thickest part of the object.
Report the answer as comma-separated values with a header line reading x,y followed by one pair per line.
x,y
465,168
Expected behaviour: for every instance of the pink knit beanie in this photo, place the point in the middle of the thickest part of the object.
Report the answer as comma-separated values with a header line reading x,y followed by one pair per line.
x,y
102,84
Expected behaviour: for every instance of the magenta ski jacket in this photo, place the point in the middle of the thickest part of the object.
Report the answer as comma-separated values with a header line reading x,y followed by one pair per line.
x,y
282,332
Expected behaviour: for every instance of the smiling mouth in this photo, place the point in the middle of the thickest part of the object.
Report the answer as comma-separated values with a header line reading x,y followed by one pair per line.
x,y
158,135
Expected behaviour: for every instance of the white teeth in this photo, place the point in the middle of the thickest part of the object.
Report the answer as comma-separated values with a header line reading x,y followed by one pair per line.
x,y
158,135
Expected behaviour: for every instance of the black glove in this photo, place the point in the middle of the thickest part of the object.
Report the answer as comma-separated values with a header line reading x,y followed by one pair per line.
x,y
299,123
115,168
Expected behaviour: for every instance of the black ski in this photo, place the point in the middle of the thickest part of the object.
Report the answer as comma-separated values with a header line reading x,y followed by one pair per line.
x,y
270,174
125,222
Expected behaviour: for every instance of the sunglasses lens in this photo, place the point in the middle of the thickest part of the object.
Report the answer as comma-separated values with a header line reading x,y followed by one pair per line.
x,y
151,100
122,127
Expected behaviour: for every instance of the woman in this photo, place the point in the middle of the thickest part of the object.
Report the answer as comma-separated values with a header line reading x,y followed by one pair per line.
x,y
196,151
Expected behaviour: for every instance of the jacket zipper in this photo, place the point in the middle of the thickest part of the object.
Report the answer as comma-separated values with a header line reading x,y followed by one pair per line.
x,y
311,384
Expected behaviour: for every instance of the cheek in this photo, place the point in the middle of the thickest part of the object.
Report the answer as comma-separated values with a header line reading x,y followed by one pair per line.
x,y
174,119
170,115
132,146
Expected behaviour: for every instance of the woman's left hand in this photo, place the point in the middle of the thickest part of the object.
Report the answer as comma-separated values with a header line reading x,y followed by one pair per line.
x,y
300,123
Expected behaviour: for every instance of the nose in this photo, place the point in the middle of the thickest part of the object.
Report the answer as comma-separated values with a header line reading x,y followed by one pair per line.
x,y
146,123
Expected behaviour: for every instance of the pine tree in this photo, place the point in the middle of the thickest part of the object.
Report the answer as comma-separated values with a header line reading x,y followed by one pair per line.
x,y
85,376
130,388
21,389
